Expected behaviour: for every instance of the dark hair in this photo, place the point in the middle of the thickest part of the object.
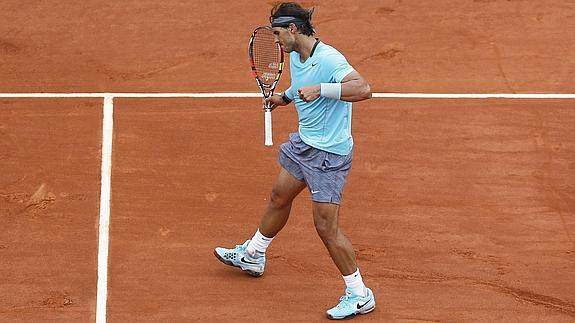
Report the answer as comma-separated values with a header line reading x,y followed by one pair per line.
x,y
295,10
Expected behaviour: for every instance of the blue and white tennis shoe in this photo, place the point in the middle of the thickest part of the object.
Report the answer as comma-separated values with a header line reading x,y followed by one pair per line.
x,y
351,305
239,257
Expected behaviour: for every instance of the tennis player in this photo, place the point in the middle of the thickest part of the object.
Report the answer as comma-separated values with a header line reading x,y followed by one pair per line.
x,y
318,156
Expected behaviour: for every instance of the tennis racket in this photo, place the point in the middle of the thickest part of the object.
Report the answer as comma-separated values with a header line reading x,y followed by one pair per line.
x,y
267,59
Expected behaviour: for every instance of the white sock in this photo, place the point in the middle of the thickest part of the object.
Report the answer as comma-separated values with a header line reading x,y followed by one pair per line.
x,y
258,245
355,283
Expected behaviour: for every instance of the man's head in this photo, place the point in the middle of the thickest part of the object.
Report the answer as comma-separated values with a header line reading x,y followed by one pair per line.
x,y
290,20
285,13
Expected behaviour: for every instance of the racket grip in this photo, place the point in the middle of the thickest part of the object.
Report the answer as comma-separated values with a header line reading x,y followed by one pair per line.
x,y
268,127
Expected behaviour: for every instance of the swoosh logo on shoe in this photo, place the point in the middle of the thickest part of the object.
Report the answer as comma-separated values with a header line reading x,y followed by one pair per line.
x,y
359,307
248,262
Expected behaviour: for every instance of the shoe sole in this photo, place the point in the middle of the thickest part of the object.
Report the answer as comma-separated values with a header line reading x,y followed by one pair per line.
x,y
229,263
369,310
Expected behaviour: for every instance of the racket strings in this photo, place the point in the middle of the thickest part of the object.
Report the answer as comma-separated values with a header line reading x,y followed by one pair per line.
x,y
266,56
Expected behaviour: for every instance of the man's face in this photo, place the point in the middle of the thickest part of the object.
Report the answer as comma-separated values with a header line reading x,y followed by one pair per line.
x,y
285,38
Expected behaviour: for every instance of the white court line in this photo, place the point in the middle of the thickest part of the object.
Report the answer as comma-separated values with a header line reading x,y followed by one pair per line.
x,y
258,95
104,227
475,95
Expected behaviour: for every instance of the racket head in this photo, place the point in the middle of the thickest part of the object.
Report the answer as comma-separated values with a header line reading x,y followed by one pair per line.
x,y
266,59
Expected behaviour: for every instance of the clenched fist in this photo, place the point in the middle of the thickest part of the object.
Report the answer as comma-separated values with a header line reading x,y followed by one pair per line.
x,y
309,93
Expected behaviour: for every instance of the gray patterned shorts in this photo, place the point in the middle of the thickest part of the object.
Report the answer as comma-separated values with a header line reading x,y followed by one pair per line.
x,y
323,172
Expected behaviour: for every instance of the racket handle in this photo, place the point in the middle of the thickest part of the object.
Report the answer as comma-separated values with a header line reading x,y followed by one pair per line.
x,y
268,127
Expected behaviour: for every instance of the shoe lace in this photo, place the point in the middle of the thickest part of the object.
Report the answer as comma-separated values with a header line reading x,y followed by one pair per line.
x,y
345,299
241,247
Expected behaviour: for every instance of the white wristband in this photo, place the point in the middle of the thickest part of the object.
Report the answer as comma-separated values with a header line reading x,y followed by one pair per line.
x,y
330,90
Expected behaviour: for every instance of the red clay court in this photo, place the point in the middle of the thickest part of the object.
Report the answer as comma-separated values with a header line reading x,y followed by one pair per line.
x,y
460,210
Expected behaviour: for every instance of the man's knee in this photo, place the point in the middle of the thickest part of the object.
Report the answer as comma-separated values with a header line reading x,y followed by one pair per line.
x,y
278,199
325,221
